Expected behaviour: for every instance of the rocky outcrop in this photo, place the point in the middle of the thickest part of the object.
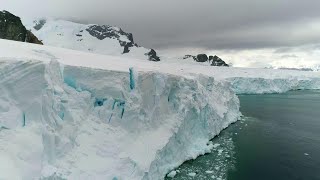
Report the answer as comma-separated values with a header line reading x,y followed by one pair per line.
x,y
106,31
125,39
39,24
202,58
31,38
11,28
152,54
214,60
93,38
188,56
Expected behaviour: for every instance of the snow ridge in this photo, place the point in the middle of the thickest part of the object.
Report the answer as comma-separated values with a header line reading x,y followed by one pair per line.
x,y
100,39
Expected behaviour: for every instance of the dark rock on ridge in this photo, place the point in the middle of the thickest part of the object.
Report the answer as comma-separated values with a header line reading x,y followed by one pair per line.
x,y
31,38
214,60
106,31
39,24
188,56
202,58
11,28
152,54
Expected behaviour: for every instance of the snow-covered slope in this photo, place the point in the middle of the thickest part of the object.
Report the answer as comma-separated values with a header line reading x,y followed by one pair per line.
x,y
74,115
100,39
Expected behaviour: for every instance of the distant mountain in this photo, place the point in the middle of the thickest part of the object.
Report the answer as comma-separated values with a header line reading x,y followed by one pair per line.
x,y
212,60
100,39
11,28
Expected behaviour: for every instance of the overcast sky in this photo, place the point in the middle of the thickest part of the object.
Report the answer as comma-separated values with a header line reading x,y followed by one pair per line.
x,y
203,24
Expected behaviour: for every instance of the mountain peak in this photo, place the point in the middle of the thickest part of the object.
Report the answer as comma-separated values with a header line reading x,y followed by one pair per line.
x,y
100,39
105,31
11,28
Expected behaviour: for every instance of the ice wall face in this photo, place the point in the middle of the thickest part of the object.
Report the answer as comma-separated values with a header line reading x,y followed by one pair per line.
x,y
251,85
161,116
81,123
202,117
18,80
21,87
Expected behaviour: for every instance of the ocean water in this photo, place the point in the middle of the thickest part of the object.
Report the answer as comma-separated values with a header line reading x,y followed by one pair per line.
x,y
278,138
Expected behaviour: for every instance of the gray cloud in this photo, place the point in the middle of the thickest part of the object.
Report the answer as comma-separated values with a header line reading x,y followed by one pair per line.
x,y
208,24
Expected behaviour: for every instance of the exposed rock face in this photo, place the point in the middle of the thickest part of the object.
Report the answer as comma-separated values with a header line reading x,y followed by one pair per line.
x,y
214,60
188,56
152,54
39,24
202,58
106,31
11,28
31,38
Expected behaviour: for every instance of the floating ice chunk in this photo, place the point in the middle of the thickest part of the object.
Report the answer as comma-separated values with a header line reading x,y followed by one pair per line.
x,y
306,154
172,174
209,172
210,146
192,174
216,145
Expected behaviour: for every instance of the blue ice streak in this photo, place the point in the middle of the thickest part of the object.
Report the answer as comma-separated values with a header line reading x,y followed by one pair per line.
x,y
132,83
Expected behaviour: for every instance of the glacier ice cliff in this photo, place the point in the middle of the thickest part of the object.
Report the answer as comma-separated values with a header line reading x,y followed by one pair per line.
x,y
83,123
74,115
259,85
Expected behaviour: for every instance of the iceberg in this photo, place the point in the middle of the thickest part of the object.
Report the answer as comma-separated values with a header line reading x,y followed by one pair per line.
x,y
73,115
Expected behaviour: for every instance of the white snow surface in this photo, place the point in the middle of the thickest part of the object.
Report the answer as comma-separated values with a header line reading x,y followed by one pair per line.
x,y
74,115
71,35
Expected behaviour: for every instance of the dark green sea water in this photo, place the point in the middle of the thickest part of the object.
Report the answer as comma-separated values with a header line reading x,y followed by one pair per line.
x,y
278,138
